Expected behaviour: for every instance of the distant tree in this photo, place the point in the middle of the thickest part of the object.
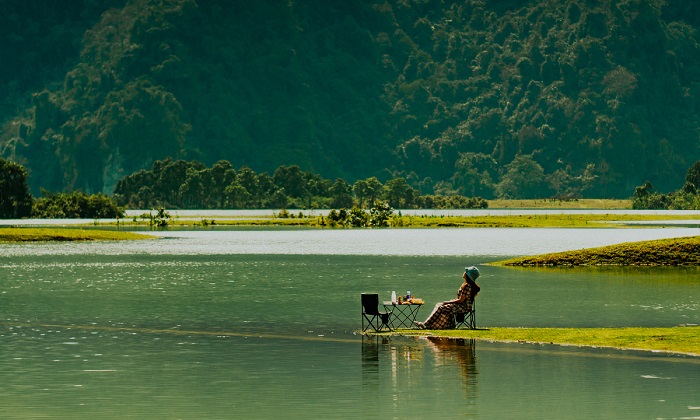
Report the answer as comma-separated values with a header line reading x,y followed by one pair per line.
x,y
619,82
380,214
238,196
15,200
561,182
693,175
398,193
645,198
266,188
358,217
374,190
222,174
248,179
279,199
685,198
474,174
341,193
291,178
171,177
644,190
135,190
360,189
523,179
191,192
75,205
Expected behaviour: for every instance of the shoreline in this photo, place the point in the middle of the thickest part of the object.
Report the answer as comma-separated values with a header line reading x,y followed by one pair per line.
x,y
58,234
680,341
409,220
684,251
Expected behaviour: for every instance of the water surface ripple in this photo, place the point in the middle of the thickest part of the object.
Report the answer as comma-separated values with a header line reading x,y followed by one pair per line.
x,y
442,241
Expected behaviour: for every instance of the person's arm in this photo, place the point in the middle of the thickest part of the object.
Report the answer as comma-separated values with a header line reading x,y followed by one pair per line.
x,y
461,297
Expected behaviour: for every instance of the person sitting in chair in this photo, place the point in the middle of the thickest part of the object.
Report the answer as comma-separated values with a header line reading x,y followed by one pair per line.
x,y
442,316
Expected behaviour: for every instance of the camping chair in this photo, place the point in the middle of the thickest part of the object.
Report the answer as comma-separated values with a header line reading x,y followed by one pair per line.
x,y
371,315
466,319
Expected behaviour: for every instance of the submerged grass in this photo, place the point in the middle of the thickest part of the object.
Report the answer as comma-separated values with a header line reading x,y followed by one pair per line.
x,y
583,203
672,252
59,234
680,340
537,220
488,221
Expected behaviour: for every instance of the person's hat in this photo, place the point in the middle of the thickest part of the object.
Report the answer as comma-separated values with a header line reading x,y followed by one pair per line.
x,y
472,272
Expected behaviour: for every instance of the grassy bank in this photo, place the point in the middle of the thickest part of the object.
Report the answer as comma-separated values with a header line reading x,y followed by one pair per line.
x,y
59,234
535,221
584,203
681,340
675,251
490,221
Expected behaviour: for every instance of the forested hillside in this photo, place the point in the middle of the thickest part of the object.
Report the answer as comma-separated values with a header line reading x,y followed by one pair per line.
x,y
481,98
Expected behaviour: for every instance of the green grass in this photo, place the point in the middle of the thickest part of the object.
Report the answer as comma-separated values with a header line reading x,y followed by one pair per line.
x,y
584,203
536,221
680,340
675,251
505,221
59,234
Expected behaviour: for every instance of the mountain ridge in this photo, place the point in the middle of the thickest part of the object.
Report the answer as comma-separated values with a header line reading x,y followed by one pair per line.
x,y
482,98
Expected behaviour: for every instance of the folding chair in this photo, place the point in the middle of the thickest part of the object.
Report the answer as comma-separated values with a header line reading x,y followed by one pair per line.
x,y
371,315
466,319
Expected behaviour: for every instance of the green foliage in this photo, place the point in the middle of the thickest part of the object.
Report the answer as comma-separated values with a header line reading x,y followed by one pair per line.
x,y
686,198
15,200
692,177
40,37
76,205
523,178
447,96
180,184
380,214
450,202
157,217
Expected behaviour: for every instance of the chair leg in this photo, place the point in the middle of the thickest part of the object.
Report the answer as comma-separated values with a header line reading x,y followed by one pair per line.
x,y
373,322
385,321
471,320
467,320
369,323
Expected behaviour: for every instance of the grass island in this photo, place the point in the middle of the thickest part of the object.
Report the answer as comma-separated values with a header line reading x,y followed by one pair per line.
x,y
64,234
661,252
681,340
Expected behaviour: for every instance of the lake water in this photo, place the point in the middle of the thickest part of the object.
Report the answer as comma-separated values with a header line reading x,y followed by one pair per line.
x,y
262,323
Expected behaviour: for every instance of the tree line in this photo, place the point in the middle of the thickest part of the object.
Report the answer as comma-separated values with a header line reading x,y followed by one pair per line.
x,y
192,185
181,184
16,202
685,198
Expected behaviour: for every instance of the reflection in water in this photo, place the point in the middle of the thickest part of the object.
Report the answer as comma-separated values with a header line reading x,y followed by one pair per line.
x,y
396,372
370,362
458,352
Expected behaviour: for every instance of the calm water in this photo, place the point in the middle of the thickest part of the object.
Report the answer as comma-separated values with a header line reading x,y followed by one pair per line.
x,y
262,324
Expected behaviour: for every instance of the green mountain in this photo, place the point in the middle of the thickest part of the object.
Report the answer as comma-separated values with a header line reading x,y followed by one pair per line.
x,y
480,97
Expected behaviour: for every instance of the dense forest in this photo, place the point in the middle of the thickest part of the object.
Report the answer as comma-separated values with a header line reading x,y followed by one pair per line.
x,y
192,185
491,98
179,184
